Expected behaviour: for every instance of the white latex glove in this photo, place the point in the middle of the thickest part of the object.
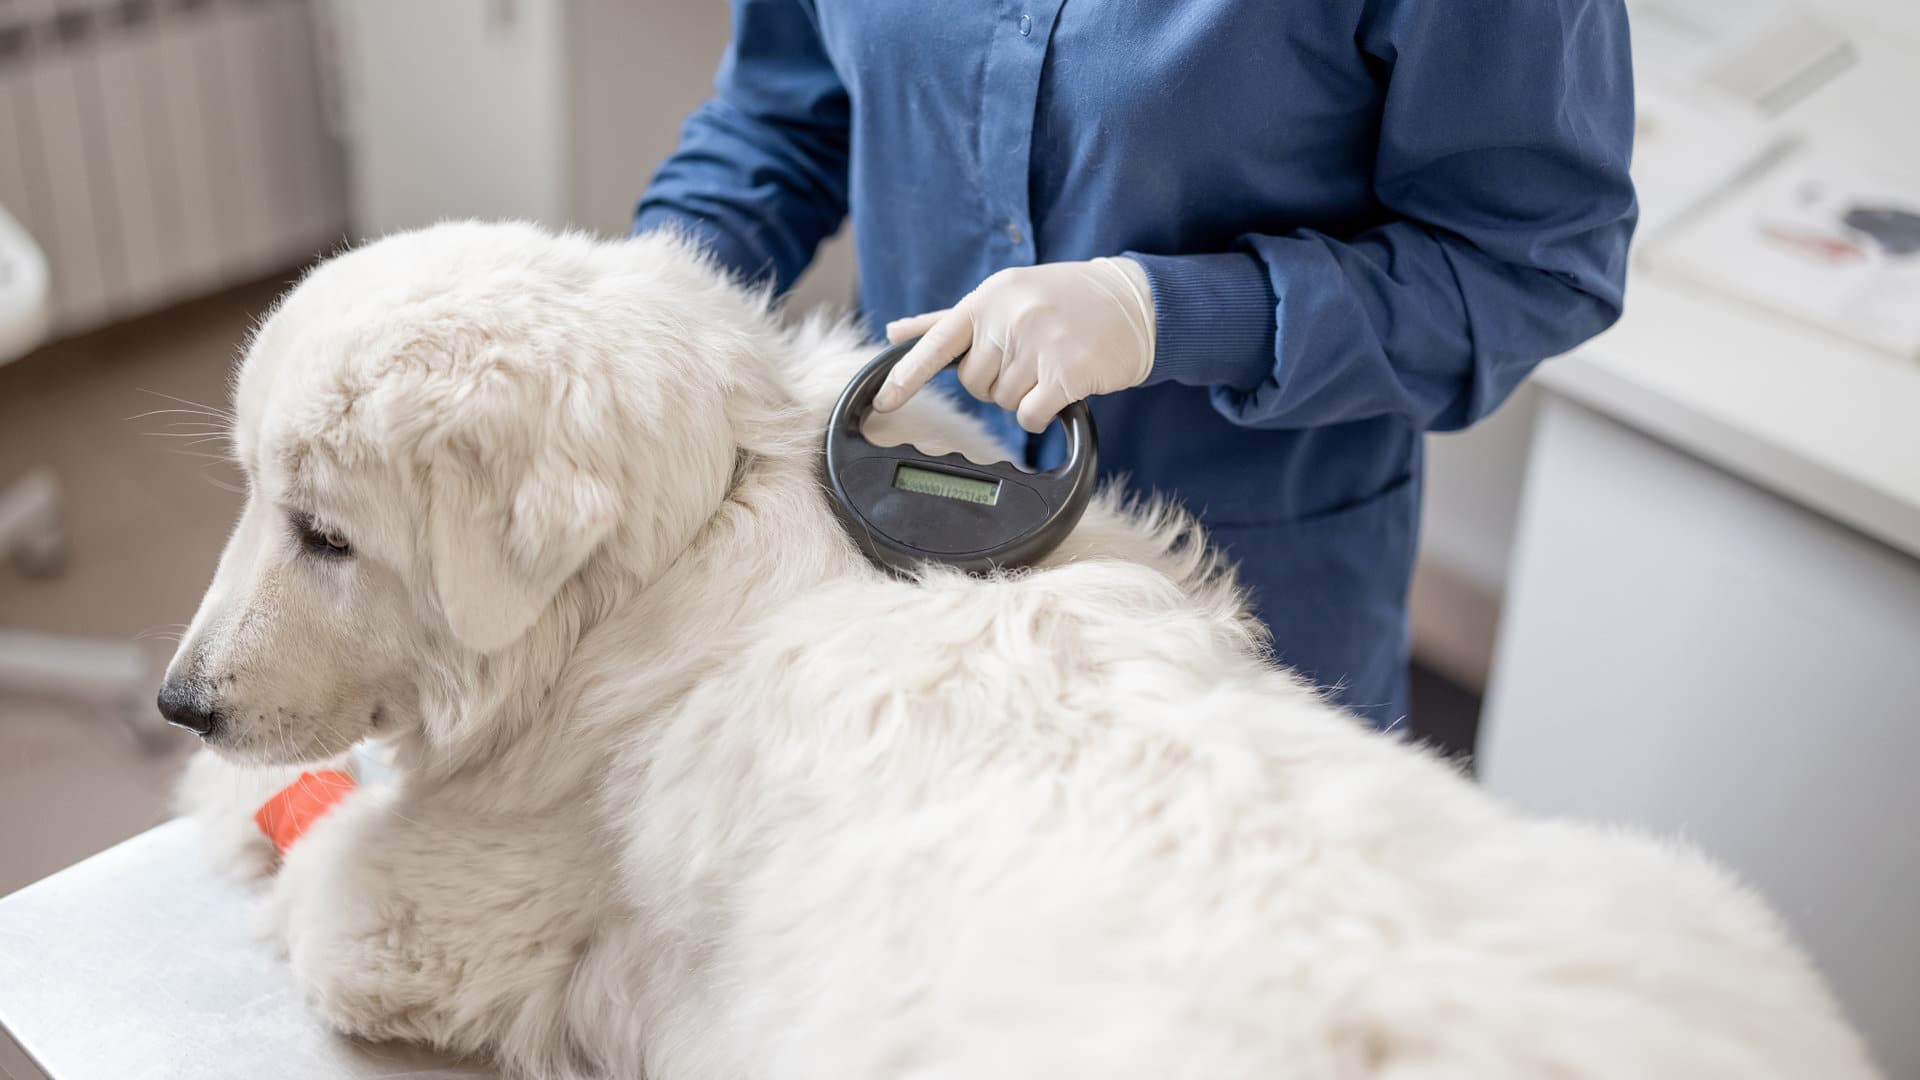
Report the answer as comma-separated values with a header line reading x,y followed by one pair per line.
x,y
1035,338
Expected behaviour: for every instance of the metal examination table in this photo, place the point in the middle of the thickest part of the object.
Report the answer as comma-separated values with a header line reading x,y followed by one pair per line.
x,y
142,964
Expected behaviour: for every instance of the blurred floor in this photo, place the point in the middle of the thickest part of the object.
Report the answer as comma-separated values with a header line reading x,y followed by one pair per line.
x,y
1444,714
146,524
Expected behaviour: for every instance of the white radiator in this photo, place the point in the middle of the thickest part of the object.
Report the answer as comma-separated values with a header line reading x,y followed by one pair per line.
x,y
162,149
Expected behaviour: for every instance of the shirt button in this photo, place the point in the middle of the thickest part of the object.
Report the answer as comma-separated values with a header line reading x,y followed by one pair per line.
x,y
1013,232
1026,25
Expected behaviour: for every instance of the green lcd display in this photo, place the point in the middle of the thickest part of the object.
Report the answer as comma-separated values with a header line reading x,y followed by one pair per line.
x,y
946,485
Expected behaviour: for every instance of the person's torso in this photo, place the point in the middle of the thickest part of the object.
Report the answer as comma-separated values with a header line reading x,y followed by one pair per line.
x,y
1004,134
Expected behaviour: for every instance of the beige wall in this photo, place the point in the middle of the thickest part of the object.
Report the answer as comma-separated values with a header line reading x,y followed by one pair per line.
x,y
637,70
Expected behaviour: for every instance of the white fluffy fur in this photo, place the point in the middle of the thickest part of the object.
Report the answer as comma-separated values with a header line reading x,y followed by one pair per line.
x,y
689,791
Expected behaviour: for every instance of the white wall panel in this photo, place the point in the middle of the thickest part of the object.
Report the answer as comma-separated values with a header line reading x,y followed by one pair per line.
x,y
241,84
140,174
72,220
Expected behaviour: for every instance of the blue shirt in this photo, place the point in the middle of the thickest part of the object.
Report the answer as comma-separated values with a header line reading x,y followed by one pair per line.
x,y
1362,220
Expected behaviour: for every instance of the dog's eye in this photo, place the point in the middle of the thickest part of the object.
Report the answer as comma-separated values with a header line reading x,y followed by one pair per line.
x,y
320,541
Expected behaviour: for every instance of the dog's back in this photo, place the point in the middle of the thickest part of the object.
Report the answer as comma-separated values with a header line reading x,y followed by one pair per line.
x,y
1066,824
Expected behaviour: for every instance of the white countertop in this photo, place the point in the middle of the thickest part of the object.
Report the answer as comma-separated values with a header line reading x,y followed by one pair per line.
x,y
140,962
1814,418
1809,415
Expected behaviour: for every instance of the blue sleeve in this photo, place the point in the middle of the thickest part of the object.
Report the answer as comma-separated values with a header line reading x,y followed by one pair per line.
x,y
760,175
1505,138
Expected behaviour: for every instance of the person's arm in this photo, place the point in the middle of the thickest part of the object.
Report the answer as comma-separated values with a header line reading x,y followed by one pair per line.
x,y
1503,151
1502,168
760,175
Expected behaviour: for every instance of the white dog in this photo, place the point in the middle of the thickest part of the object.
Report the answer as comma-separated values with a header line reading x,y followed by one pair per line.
x,y
688,790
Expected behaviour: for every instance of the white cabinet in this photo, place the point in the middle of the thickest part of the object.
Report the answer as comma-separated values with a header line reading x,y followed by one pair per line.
x,y
1688,653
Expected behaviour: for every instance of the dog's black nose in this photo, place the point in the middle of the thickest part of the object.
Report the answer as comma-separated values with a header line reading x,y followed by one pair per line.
x,y
188,705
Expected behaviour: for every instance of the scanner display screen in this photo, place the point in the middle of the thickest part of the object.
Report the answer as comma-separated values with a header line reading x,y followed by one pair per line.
x,y
946,485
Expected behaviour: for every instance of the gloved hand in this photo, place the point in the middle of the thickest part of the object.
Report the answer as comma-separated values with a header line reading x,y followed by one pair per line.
x,y
1035,338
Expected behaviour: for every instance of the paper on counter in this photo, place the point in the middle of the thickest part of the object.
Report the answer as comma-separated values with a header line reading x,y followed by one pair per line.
x,y
1815,239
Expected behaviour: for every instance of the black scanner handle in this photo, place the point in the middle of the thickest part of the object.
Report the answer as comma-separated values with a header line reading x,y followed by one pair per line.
x,y
856,404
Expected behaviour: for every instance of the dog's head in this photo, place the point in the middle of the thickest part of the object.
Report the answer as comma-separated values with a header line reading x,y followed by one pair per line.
x,y
440,431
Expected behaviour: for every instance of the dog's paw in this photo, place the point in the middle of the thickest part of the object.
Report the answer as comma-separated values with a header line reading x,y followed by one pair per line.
x,y
361,960
221,797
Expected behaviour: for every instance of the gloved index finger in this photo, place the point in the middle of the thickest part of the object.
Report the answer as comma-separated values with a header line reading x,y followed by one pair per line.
x,y
913,326
949,338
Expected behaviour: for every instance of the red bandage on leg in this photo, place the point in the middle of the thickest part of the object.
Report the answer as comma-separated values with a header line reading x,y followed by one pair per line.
x,y
298,805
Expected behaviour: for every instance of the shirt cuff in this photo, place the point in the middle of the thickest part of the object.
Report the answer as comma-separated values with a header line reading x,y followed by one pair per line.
x,y
734,255
1214,319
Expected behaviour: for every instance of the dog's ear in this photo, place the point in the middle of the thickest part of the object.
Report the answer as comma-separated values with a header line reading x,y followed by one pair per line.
x,y
520,491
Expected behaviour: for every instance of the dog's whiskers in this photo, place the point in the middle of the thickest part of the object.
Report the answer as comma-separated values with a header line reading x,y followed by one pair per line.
x,y
225,414
200,455
206,414
216,481
204,433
